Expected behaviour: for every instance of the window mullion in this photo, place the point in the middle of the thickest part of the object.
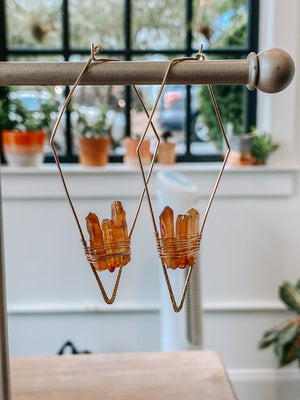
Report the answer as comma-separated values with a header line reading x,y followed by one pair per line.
x,y
3,42
128,55
188,121
251,102
188,52
66,30
66,54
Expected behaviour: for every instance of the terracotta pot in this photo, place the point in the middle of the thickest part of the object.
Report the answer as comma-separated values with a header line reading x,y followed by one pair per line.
x,y
130,156
23,149
166,153
94,152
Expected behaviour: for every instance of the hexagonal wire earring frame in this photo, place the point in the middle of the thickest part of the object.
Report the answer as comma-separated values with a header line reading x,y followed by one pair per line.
x,y
117,249
168,247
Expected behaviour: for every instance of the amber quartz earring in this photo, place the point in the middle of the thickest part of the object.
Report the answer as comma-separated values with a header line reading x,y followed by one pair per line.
x,y
179,239
109,241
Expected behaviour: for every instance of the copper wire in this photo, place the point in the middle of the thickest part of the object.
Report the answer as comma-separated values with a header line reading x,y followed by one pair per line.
x,y
107,251
178,246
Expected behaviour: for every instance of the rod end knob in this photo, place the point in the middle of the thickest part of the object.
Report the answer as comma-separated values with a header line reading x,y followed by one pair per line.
x,y
276,70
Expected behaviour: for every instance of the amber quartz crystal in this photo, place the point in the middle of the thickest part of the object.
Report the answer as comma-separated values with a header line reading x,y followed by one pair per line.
x,y
120,232
96,238
178,247
94,229
109,238
192,229
181,231
166,222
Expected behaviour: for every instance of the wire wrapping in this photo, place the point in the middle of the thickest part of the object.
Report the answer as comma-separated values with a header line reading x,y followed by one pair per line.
x,y
178,246
107,251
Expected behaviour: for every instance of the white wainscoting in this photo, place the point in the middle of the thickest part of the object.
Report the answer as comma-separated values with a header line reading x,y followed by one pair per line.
x,y
266,384
250,245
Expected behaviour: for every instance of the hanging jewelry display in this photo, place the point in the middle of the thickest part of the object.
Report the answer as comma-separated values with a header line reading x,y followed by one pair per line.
x,y
178,247
109,247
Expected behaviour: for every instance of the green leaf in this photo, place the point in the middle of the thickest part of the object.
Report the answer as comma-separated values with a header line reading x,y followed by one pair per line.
x,y
290,295
278,351
285,340
287,343
291,351
263,146
268,338
289,333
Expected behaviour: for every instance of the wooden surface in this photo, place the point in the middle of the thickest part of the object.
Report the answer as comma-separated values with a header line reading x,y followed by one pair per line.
x,y
184,375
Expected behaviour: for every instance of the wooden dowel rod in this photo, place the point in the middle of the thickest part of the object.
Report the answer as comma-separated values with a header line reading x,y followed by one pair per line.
x,y
270,71
123,73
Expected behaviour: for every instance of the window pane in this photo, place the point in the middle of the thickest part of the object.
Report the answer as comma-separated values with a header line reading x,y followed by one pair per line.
x,y
221,24
231,100
200,140
155,24
138,117
39,110
34,24
148,93
95,103
31,57
170,115
84,58
158,24
93,21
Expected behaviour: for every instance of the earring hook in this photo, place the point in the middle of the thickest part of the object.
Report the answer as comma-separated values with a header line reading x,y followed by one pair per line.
x,y
95,50
200,55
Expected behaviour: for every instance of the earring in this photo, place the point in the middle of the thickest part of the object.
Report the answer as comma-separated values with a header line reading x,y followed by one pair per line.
x,y
178,244
109,242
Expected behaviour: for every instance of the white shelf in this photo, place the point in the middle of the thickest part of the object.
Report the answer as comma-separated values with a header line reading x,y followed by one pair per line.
x,y
116,179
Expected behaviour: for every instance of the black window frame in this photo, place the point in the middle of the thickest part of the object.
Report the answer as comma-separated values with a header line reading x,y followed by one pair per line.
x,y
127,53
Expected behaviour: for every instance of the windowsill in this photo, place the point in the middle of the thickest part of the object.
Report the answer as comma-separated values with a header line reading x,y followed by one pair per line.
x,y
113,179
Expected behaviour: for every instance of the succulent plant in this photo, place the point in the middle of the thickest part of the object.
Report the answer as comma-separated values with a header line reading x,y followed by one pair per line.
x,y
166,135
14,114
263,146
286,337
92,121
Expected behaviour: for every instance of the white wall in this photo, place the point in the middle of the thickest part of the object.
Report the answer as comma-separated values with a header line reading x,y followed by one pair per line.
x,y
49,278
250,245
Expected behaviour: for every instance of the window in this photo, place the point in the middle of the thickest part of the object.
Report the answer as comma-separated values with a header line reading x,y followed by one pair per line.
x,y
139,30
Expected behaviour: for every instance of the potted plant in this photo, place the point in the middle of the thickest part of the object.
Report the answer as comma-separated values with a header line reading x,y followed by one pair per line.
x,y
285,338
241,150
240,146
166,151
92,126
24,129
130,155
262,147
